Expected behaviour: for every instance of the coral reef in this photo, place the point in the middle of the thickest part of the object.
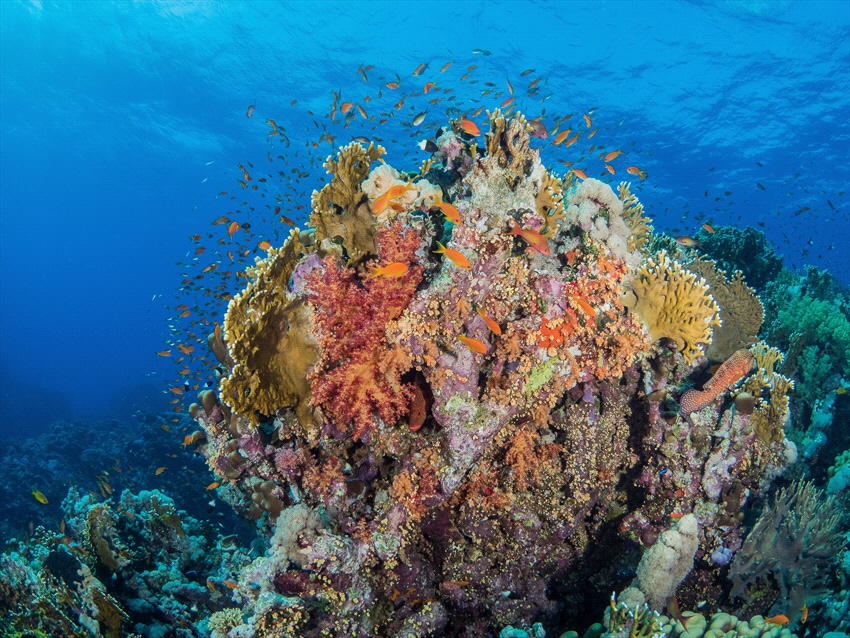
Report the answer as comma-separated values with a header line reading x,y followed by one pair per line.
x,y
487,361
467,401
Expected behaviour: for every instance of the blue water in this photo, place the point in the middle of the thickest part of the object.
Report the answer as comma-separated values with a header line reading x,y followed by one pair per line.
x,y
121,122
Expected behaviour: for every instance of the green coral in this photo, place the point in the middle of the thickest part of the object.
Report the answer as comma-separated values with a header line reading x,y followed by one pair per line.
x,y
540,376
824,323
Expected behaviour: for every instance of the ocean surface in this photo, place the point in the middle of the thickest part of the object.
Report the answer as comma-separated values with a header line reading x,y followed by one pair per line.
x,y
133,135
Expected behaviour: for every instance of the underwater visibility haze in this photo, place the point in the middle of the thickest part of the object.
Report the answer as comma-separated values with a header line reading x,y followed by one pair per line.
x,y
513,319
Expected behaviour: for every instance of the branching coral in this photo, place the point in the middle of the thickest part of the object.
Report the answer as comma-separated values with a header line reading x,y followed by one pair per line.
x,y
674,304
640,226
771,391
550,205
793,542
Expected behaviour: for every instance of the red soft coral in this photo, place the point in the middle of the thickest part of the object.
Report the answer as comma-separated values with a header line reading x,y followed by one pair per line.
x,y
358,375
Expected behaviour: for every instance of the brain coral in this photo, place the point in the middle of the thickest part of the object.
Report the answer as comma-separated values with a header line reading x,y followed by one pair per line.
x,y
673,303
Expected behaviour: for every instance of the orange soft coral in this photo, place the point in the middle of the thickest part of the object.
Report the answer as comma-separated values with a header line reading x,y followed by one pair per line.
x,y
358,375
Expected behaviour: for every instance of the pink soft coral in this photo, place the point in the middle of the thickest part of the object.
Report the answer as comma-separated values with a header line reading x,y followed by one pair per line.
x,y
358,374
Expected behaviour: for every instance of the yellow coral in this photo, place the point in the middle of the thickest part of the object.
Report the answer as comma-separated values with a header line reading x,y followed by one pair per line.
x,y
741,312
634,218
674,304
769,416
508,145
267,332
550,205
341,209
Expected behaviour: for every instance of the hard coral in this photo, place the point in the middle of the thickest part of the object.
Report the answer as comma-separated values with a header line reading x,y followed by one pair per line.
x,y
340,209
267,332
741,312
674,304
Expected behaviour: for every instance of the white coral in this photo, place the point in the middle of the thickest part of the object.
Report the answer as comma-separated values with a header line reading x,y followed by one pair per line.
x,y
665,564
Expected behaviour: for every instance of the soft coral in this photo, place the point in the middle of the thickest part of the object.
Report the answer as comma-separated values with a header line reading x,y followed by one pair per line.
x,y
358,374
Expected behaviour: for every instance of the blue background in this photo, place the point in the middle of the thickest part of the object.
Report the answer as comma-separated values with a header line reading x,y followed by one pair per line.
x,y
113,111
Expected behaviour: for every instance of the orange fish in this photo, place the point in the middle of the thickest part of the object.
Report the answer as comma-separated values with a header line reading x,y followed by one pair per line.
x,y
345,108
230,584
587,120
420,69
213,485
673,608
451,213
186,349
446,66
177,390
455,256
273,124
573,139
234,226
474,344
494,327
592,133
381,203
535,240
805,614
395,269
392,85
159,471
633,170
184,314
560,137
469,126
676,515
264,245
164,353
187,440
579,173
507,102
779,619
610,168
428,87
611,155
588,309
362,112
708,228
